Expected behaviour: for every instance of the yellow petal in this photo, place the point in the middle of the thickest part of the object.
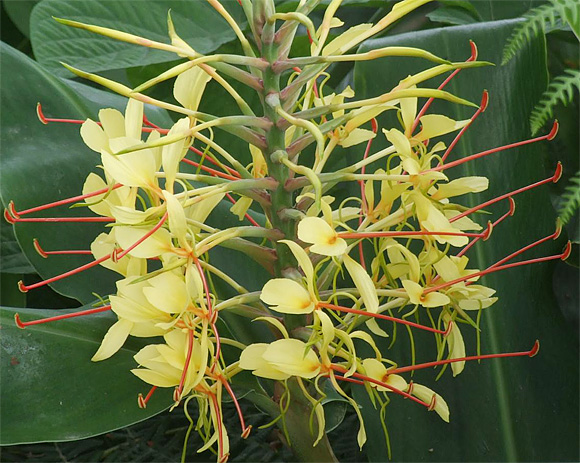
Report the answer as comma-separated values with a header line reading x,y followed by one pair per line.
x,y
356,137
408,112
322,236
291,356
426,395
153,246
113,122
113,340
456,345
303,260
189,87
94,136
461,186
173,153
167,293
251,359
400,142
287,296
177,221
133,118
435,125
241,207
363,283
132,169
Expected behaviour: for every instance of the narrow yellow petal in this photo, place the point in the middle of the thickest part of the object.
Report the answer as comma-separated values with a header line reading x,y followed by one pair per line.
x,y
113,340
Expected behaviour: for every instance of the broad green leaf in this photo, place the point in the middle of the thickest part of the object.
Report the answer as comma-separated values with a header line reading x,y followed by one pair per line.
x,y
13,259
195,21
508,409
451,15
494,10
44,163
50,389
19,12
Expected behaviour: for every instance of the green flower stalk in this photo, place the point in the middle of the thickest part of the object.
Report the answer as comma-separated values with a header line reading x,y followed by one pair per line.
x,y
341,274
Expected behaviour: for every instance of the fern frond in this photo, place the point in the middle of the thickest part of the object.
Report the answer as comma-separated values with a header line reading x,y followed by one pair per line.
x,y
570,199
537,19
560,90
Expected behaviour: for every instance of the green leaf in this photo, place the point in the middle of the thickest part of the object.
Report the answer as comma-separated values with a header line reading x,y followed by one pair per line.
x,y
452,15
19,12
507,409
51,391
44,163
13,259
195,21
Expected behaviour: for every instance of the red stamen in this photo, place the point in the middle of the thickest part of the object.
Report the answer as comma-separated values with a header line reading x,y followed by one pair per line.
x,y
246,215
64,219
378,383
213,172
45,254
549,136
45,120
563,256
222,458
358,235
62,202
142,402
482,108
233,172
211,315
473,57
384,317
494,224
553,236
245,430
115,255
554,178
82,313
179,388
530,353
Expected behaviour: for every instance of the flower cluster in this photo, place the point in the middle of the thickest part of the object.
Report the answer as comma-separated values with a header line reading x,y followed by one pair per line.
x,y
342,273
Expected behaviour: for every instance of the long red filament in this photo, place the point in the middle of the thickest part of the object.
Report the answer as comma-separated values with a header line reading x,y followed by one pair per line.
x,y
24,288
82,313
45,254
383,317
62,202
358,235
482,108
62,219
563,256
549,136
552,236
379,383
209,170
494,224
186,365
224,381
143,401
529,353
210,310
425,107
219,425
554,178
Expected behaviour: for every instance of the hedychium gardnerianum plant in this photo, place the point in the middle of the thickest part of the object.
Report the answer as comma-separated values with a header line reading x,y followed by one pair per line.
x,y
326,295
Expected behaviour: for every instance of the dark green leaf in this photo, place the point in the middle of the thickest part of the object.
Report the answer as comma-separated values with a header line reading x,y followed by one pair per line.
x,y
196,22
19,12
451,15
509,409
51,391
40,164
13,259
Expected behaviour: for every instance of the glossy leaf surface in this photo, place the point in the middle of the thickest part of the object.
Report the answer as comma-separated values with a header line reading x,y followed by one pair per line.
x,y
51,391
501,410
196,22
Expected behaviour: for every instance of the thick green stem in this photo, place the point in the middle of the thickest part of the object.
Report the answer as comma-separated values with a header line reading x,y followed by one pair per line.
x,y
301,437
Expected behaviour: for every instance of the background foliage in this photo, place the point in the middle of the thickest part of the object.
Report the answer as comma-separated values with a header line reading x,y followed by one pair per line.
x,y
521,410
